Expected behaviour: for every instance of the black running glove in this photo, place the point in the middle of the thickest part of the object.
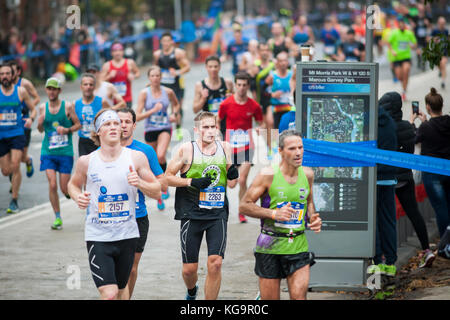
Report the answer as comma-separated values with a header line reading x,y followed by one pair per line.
x,y
201,183
232,173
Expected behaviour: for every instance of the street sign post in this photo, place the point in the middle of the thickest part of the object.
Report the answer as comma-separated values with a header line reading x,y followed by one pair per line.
x,y
337,102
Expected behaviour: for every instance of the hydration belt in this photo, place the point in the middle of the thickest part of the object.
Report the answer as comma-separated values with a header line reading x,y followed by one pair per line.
x,y
280,234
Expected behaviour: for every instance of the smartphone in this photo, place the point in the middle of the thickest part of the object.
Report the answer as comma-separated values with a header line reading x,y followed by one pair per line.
x,y
415,107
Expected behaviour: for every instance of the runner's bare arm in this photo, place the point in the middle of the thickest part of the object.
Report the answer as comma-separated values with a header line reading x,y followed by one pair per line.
x,y
146,180
73,116
175,165
183,61
104,73
40,123
77,181
199,99
257,189
134,69
141,114
230,87
115,96
31,91
173,101
105,104
163,181
23,93
314,222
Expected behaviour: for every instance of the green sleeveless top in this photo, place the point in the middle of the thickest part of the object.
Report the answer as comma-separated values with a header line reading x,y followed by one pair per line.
x,y
55,144
280,193
206,204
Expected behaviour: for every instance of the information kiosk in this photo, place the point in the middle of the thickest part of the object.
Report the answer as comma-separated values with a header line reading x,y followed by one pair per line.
x,y
337,102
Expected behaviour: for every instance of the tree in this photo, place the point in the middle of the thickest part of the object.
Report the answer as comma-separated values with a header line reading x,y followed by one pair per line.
x,y
435,48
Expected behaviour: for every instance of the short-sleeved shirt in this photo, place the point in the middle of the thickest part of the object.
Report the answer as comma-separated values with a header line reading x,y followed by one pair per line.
x,y
400,42
236,51
348,48
240,122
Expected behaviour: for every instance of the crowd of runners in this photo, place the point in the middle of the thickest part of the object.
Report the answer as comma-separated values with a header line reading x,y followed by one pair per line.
x,y
115,172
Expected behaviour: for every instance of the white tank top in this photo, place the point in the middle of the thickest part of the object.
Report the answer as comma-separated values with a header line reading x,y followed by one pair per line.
x,y
111,213
102,92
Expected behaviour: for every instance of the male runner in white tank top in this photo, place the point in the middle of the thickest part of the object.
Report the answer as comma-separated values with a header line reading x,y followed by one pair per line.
x,y
112,175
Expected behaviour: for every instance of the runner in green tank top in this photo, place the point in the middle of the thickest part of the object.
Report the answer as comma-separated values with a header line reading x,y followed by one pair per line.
x,y
201,203
58,120
286,210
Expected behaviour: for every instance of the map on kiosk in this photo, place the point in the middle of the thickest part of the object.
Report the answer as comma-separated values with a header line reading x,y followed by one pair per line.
x,y
337,119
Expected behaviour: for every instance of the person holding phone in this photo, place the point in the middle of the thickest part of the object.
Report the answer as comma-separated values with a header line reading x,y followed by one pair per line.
x,y
434,135
405,187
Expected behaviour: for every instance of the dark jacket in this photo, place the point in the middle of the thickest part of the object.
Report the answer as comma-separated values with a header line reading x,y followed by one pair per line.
x,y
434,135
406,135
386,140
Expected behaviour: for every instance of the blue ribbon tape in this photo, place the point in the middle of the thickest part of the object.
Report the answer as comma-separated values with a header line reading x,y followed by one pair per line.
x,y
365,154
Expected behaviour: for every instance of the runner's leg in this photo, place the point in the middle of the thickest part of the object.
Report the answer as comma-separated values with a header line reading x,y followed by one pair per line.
x,y
53,189
269,288
63,182
109,292
214,277
243,176
16,156
406,67
161,148
298,283
134,273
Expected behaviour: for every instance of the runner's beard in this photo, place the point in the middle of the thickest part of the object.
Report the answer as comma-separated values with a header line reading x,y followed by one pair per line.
x,y
6,83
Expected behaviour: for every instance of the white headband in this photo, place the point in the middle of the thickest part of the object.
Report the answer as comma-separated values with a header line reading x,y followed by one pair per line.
x,y
104,117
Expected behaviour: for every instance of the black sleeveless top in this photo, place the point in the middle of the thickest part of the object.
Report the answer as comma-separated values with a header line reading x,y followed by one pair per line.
x,y
214,94
165,62
276,49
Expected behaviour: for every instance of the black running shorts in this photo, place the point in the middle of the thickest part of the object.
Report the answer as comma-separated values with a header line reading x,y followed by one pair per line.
x,y
143,225
111,262
279,266
191,235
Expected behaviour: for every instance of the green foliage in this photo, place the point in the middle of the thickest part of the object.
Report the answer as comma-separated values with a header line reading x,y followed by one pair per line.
x,y
116,8
435,49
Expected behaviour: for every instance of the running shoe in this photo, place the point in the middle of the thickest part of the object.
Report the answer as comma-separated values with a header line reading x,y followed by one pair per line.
x,y
30,168
165,195
242,218
390,270
161,206
57,224
13,207
427,259
258,296
67,196
194,297
375,268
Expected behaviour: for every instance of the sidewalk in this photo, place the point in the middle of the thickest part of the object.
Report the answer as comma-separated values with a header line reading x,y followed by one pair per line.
x,y
38,263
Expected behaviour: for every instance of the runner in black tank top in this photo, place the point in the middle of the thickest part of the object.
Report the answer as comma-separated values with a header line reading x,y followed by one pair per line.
x,y
214,99
165,62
